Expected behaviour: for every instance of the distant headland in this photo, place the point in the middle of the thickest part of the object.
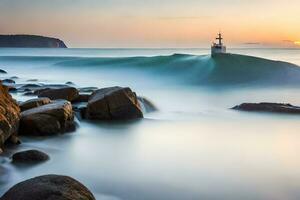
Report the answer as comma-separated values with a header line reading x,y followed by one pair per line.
x,y
30,41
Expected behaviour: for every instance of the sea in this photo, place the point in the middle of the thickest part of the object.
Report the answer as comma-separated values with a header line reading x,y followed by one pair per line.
x,y
194,147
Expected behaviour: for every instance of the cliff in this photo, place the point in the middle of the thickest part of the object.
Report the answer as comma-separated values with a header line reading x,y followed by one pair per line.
x,y
30,41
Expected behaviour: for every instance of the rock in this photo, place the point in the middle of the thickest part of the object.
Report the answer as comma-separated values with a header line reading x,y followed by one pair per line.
x,y
269,107
54,118
9,115
2,71
49,187
14,77
70,83
32,80
40,90
33,103
29,156
113,103
8,81
12,89
82,98
146,105
11,86
88,89
29,86
66,93
29,94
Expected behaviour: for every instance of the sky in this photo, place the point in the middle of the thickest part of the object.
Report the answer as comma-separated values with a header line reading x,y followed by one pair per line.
x,y
155,23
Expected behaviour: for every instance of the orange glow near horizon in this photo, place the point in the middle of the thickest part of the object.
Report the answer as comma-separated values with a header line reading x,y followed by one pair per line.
x,y
156,23
297,43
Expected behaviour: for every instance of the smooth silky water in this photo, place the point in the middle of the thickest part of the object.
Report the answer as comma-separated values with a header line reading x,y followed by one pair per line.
x,y
193,147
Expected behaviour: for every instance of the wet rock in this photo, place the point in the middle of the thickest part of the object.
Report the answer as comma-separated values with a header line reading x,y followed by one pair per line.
x,y
113,103
87,89
29,86
70,83
29,94
54,118
9,115
146,105
50,187
33,103
268,107
8,81
66,93
82,98
2,71
40,90
32,80
12,89
14,77
29,156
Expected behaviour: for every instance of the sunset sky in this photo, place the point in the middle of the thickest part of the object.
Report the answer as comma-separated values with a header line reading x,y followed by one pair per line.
x,y
155,23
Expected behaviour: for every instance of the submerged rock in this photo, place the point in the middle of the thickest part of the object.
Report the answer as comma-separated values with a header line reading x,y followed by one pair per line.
x,y
50,187
29,86
33,103
29,156
14,77
147,105
32,80
88,89
2,71
9,115
66,93
70,83
269,107
113,103
54,118
29,94
8,81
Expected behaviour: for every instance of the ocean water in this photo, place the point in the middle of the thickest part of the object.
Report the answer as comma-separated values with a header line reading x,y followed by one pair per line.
x,y
194,146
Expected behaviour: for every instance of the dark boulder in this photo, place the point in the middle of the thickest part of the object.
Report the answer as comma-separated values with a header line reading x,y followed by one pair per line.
x,y
40,90
12,89
9,116
54,118
82,98
66,93
49,187
2,71
33,103
8,81
29,156
268,107
113,103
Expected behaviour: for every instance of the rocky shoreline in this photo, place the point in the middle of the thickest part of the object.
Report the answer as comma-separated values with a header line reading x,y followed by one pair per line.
x,y
52,110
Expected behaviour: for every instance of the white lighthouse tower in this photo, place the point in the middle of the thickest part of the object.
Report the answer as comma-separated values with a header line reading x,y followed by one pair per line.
x,y
218,47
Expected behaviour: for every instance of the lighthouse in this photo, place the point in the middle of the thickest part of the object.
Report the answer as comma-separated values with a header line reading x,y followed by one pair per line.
x,y
218,47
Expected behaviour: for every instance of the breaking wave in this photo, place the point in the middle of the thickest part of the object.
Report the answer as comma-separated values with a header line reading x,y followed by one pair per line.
x,y
225,69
